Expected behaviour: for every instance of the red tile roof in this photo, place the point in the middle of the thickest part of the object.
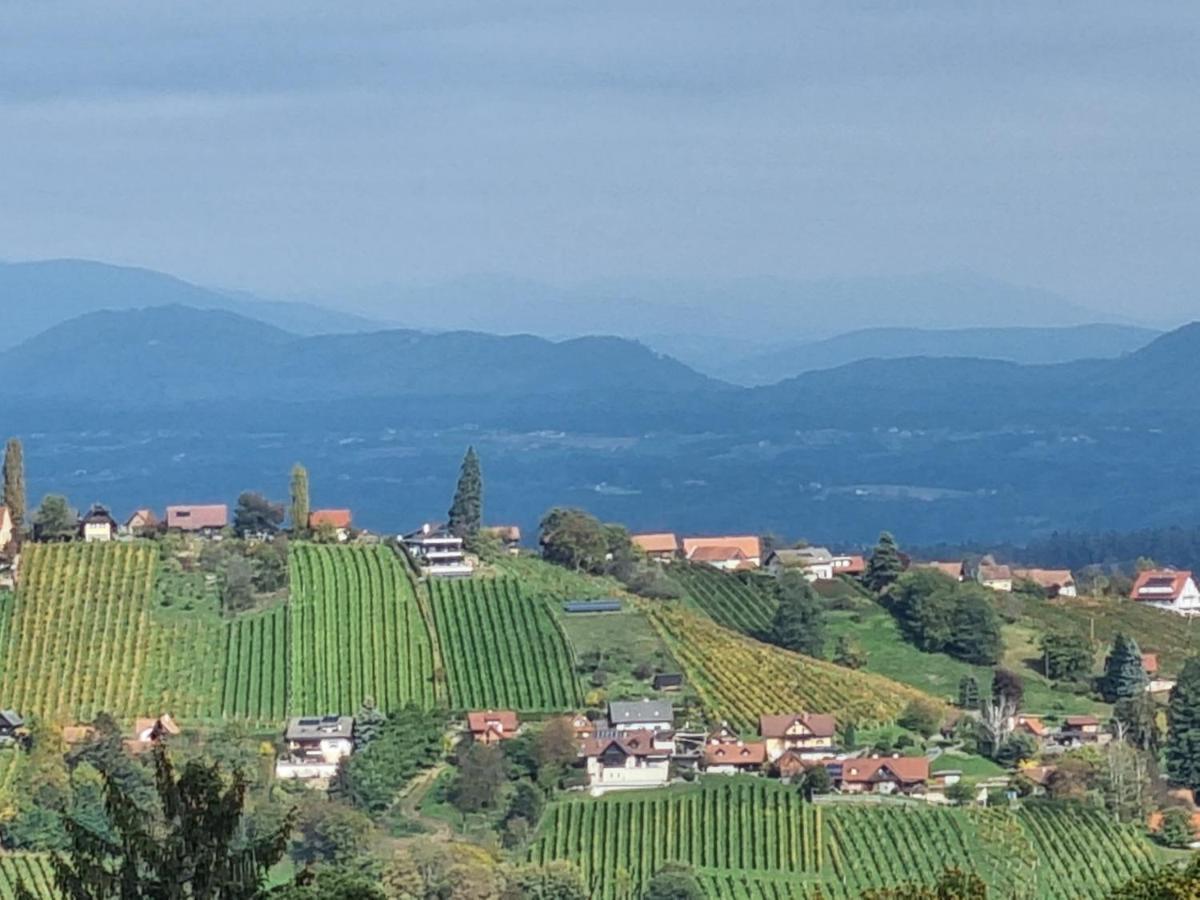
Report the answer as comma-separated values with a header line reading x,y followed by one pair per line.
x,y
1150,663
1160,584
951,569
1080,721
905,769
1046,578
657,542
500,721
733,753
857,565
634,743
710,554
777,726
1033,724
338,518
196,518
748,544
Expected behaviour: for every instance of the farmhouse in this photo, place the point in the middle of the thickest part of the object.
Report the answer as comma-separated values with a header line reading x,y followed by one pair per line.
x,y
437,551
207,520
141,522
641,715
624,760
734,757
6,527
809,735
881,775
337,519
996,577
718,551
315,746
662,545
1033,726
1055,582
1080,730
949,569
491,726
98,525
1168,589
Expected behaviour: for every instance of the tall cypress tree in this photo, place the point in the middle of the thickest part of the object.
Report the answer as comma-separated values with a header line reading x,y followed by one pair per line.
x,y
1183,727
300,504
1123,673
466,510
14,482
885,565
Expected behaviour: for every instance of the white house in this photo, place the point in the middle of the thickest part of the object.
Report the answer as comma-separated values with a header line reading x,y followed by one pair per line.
x,y
1168,589
627,760
98,525
437,551
315,746
641,715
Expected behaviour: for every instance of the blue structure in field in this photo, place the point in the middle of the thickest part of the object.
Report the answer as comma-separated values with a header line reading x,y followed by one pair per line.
x,y
592,606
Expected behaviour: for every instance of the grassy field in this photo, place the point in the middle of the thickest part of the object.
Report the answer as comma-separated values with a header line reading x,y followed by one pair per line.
x,y
739,679
754,838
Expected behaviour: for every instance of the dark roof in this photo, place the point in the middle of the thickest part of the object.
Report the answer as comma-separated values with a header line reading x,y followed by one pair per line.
x,y
98,513
665,679
319,727
592,606
11,718
623,712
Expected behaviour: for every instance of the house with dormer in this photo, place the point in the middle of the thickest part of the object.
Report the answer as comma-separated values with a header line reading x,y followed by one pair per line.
x,y
807,734
627,760
1169,589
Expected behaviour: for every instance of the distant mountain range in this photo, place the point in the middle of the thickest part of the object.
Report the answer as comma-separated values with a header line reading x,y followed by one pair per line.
x,y
1019,345
35,296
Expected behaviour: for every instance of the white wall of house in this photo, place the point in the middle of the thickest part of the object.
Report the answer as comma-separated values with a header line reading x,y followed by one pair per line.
x,y
97,532
1186,604
638,772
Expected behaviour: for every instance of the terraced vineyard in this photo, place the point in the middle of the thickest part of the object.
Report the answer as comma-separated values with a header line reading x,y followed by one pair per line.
x,y
750,838
356,631
750,826
730,601
739,679
501,648
77,640
28,869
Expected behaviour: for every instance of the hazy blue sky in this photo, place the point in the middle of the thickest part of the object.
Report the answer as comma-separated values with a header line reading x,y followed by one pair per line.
x,y
301,147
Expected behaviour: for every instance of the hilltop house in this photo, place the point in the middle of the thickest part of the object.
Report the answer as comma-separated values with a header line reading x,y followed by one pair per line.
x,y
1168,589
881,775
490,726
315,746
337,519
142,521
98,525
641,715
6,528
662,545
624,760
208,520
949,569
815,562
807,734
734,757
1055,582
730,552
994,576
437,551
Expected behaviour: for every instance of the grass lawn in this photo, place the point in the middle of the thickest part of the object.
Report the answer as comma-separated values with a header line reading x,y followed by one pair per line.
x,y
972,766
888,653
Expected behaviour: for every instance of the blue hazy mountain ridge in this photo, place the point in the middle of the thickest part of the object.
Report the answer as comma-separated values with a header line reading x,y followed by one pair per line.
x,y
35,296
1026,345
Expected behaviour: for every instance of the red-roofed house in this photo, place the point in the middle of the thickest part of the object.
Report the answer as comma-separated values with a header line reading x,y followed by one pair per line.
x,y
660,545
883,775
1168,589
627,759
1055,582
733,757
337,519
1150,663
849,565
206,519
490,726
141,522
727,558
749,545
808,734
949,569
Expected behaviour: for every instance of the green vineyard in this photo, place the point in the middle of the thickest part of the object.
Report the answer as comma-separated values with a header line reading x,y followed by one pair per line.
x,y
501,648
750,838
357,631
77,639
30,870
728,600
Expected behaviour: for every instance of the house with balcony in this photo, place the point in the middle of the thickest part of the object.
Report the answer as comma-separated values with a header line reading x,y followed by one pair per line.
x,y
438,551
314,747
807,735
627,760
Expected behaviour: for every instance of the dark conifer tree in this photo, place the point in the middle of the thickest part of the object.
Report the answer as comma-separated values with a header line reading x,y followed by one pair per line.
x,y
885,565
1123,673
466,510
1183,727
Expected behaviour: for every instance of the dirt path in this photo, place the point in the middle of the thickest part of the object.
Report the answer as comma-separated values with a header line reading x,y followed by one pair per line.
x,y
410,803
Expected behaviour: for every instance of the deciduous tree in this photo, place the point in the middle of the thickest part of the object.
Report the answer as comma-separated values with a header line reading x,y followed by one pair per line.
x,y
482,774
54,519
255,514
674,882
799,622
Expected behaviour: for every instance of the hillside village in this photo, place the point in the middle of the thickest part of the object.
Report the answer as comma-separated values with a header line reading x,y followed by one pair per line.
x,y
478,688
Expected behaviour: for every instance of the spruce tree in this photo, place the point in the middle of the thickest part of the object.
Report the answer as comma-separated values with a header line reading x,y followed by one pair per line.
x,y
300,504
466,510
1183,727
368,724
14,482
1123,673
799,622
968,692
885,564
